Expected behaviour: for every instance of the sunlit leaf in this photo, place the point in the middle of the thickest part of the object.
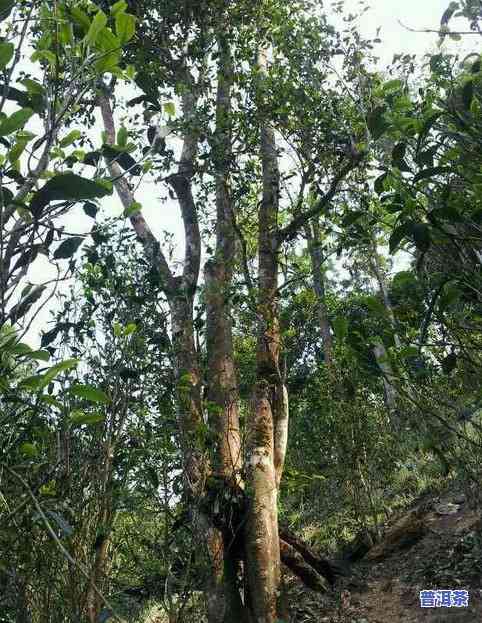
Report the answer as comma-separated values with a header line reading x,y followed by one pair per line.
x,y
125,27
97,25
16,121
7,50
79,418
89,393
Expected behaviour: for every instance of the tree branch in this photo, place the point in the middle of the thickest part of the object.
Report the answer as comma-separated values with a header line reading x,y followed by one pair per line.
x,y
151,245
291,230
181,183
442,33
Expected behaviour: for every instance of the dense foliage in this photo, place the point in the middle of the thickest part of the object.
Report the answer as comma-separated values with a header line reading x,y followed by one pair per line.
x,y
337,211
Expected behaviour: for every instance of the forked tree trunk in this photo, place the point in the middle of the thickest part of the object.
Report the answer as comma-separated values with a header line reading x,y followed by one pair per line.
x,y
180,292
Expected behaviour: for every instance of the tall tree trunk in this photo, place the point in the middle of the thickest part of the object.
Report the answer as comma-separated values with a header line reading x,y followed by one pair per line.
x,y
104,526
382,284
379,350
312,231
223,399
383,362
180,292
22,614
267,421
222,381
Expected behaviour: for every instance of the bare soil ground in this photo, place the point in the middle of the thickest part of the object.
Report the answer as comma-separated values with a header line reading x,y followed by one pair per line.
x,y
447,557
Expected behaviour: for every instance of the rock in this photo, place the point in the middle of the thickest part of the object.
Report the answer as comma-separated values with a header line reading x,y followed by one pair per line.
x,y
447,509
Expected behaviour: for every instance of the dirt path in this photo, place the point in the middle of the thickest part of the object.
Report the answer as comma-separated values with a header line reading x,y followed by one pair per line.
x,y
447,557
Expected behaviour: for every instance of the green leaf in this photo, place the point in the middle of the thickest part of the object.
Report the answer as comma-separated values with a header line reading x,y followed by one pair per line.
x,y
110,46
398,234
351,218
125,27
421,236
379,185
427,126
52,402
68,248
130,329
6,196
39,381
375,306
170,109
6,7
122,136
68,187
44,55
431,172
54,371
7,50
376,122
79,418
81,18
70,138
40,355
392,86
408,351
397,203
130,72
90,209
468,94
98,24
447,212
15,121
66,33
134,208
31,383
33,87
16,151
340,327
21,349
89,393
118,7
29,450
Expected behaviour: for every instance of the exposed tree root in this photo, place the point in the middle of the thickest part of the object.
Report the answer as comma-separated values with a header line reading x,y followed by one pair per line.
x,y
323,568
298,565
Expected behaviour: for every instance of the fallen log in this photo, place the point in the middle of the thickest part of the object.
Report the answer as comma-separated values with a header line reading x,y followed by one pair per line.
x,y
326,568
304,571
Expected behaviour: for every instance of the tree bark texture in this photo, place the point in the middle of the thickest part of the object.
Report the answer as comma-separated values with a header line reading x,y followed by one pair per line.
x,y
180,292
316,256
223,399
267,417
